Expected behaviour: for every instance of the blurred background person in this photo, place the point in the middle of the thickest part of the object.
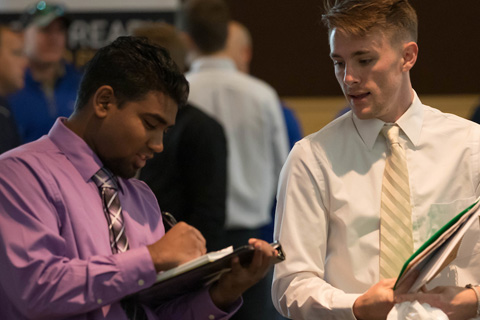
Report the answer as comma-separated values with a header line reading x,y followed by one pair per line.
x,y
257,142
239,48
50,82
189,176
12,77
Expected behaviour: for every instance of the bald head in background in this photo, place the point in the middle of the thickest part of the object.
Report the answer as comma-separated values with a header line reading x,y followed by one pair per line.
x,y
239,45
167,36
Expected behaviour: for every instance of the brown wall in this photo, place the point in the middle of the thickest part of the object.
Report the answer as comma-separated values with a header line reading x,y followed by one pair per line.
x,y
291,48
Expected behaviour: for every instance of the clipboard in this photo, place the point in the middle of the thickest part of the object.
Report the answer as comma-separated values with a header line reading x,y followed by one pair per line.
x,y
198,277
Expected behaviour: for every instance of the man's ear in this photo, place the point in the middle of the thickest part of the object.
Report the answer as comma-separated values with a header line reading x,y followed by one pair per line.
x,y
103,101
410,54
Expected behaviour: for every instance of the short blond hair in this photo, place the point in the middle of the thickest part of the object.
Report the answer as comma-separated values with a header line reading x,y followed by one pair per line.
x,y
359,17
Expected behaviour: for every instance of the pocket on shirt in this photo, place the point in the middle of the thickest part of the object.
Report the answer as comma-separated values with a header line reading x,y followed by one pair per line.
x,y
440,213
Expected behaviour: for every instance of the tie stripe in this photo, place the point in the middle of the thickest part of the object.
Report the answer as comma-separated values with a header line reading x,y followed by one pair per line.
x,y
112,209
396,243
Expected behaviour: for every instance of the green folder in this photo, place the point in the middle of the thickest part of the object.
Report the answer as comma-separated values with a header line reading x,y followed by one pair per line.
x,y
451,227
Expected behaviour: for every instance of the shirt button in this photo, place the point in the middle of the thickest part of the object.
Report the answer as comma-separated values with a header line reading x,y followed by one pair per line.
x,y
211,317
99,301
141,282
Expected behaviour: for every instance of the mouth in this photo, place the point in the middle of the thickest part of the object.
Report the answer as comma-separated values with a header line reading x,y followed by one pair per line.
x,y
359,96
142,160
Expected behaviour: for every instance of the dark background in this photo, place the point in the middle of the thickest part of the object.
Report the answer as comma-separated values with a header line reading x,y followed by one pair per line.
x,y
291,47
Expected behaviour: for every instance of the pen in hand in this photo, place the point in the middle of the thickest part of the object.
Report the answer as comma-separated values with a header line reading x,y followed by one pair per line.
x,y
168,220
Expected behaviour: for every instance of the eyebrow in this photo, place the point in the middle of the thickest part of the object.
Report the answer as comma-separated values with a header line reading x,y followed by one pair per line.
x,y
158,118
355,54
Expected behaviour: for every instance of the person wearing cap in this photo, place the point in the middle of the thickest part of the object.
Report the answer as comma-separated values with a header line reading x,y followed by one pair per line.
x,y
12,69
50,82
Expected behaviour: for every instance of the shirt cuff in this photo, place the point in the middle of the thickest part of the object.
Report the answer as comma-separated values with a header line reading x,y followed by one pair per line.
x,y
209,310
345,305
136,269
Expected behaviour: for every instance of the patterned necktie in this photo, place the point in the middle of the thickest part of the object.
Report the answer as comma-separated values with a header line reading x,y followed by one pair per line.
x,y
108,187
112,209
396,242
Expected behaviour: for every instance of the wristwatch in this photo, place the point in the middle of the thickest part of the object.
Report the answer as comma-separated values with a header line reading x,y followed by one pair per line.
x,y
477,293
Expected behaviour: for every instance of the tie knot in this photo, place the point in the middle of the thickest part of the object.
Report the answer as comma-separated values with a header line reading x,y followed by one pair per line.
x,y
105,179
391,132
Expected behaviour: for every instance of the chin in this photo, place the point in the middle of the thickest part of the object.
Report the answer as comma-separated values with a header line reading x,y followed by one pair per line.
x,y
130,173
362,114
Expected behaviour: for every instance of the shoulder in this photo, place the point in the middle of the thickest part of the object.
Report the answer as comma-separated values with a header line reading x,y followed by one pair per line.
x,y
260,86
231,80
334,133
34,152
447,123
330,139
32,164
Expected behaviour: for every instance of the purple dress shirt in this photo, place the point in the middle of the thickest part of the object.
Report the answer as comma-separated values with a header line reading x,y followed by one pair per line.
x,y
55,255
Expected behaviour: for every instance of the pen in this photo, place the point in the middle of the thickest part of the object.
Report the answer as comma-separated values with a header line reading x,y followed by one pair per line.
x,y
168,219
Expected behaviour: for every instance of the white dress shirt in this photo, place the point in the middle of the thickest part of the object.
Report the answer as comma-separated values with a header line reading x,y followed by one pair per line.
x,y
329,206
257,142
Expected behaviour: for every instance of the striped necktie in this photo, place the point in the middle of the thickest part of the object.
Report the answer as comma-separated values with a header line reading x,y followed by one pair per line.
x,y
396,242
113,210
108,187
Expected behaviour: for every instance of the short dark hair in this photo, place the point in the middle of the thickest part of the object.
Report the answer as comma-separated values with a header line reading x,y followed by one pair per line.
x,y
206,21
358,17
133,67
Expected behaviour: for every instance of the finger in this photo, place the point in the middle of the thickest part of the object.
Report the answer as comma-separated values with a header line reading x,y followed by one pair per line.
x,y
256,260
236,266
199,239
199,236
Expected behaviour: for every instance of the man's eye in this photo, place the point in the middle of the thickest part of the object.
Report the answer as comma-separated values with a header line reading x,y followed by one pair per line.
x,y
338,63
149,125
365,61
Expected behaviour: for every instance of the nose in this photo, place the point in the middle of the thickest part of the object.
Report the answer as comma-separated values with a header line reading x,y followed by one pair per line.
x,y
155,143
349,76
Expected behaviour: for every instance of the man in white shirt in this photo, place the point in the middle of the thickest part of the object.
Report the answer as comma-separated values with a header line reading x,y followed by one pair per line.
x,y
250,113
329,197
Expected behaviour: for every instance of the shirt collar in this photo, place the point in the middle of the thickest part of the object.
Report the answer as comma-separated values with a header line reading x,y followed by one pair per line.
x,y
209,63
75,149
410,123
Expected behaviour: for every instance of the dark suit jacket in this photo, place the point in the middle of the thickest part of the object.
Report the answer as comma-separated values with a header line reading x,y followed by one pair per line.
x,y
189,176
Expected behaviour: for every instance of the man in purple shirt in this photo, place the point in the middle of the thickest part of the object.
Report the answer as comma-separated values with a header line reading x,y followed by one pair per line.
x,y
57,261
